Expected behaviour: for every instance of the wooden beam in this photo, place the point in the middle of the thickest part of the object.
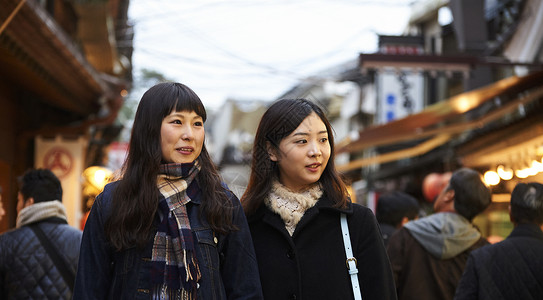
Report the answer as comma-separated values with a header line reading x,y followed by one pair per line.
x,y
396,155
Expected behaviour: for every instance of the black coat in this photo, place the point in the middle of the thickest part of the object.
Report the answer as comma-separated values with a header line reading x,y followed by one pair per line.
x,y
27,271
312,263
511,269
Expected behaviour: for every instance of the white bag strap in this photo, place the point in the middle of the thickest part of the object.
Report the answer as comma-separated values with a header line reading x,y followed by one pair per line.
x,y
351,261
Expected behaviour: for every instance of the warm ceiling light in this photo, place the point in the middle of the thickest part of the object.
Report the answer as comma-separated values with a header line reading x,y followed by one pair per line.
x,y
97,176
491,178
463,104
504,174
537,166
100,177
522,173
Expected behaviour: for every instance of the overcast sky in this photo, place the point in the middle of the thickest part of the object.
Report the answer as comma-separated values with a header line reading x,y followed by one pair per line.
x,y
256,49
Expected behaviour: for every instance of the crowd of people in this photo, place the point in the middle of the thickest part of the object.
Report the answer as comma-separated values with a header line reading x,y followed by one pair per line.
x,y
169,228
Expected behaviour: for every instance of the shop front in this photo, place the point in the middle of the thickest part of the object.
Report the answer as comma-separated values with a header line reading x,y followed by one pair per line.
x,y
497,128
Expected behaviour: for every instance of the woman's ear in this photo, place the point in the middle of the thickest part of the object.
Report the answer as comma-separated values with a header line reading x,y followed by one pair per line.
x,y
272,152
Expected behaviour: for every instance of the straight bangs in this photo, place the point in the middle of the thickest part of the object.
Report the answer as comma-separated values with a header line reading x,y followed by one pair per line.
x,y
187,100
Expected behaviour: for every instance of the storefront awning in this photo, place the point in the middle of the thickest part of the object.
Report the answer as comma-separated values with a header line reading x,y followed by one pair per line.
x,y
514,146
441,122
36,53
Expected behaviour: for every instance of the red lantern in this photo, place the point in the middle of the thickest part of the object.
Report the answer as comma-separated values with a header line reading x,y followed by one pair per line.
x,y
433,183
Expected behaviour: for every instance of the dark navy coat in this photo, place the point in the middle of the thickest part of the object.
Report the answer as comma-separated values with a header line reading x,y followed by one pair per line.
x,y
227,262
511,269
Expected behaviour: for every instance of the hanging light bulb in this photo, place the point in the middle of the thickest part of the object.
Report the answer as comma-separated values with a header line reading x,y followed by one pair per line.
x,y
100,177
491,178
522,173
505,174
537,166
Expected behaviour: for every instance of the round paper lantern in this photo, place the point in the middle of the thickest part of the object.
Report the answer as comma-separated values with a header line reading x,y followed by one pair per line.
x,y
433,183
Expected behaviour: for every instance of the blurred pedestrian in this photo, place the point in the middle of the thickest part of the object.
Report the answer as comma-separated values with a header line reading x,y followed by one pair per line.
x,y
294,201
169,228
394,209
513,268
428,255
38,259
2,210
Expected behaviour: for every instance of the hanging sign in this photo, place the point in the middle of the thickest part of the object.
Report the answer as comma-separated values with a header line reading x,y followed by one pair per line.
x,y
64,157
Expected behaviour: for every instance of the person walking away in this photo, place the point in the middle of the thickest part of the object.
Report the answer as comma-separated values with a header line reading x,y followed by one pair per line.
x,y
428,255
294,201
2,210
38,259
511,269
169,228
394,209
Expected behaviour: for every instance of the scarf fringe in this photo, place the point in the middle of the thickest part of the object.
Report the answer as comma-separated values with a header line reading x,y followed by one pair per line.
x,y
162,292
192,270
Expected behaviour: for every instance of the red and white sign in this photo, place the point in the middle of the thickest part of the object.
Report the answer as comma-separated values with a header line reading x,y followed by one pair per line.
x,y
65,158
59,160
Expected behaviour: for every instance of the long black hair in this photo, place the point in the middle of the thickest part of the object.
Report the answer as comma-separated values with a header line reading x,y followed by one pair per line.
x,y
279,121
135,199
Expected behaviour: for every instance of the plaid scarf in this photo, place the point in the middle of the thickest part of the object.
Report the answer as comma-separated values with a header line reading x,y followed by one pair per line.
x,y
175,271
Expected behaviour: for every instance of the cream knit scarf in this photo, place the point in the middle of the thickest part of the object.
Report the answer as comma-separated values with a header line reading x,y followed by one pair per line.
x,y
291,206
39,211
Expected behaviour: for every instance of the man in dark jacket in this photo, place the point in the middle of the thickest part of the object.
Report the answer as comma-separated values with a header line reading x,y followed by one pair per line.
x,y
394,209
428,255
27,271
511,269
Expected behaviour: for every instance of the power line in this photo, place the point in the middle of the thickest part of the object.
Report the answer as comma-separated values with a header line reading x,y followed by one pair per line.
x,y
230,61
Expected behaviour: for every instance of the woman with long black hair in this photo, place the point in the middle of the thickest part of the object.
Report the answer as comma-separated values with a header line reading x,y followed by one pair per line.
x,y
294,203
169,228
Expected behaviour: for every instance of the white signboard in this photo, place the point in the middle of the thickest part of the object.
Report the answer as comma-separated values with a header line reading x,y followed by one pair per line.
x,y
399,95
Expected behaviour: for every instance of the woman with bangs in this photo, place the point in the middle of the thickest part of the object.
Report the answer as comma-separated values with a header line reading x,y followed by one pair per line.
x,y
168,228
294,202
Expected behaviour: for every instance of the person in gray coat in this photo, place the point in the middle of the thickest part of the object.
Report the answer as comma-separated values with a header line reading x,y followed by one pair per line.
x,y
428,255
27,271
511,269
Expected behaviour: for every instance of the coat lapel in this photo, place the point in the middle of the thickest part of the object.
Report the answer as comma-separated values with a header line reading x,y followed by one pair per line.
x,y
324,204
